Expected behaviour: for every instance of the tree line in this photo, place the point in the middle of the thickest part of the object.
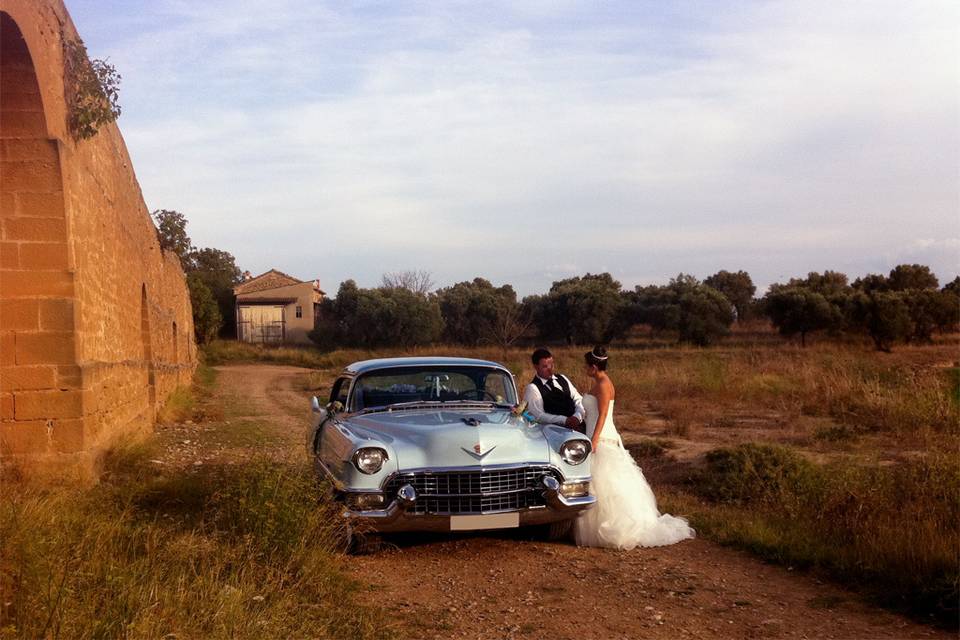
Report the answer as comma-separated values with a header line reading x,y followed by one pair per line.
x,y
905,305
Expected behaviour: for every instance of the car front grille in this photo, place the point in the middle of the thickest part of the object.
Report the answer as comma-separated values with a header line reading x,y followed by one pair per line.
x,y
469,492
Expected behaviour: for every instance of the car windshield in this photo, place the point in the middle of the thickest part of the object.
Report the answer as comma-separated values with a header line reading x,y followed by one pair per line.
x,y
433,384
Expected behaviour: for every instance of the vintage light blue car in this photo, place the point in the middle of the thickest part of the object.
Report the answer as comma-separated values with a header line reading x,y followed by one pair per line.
x,y
436,444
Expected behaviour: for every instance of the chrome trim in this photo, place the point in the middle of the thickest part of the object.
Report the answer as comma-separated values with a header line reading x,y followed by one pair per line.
x,y
551,493
474,468
389,515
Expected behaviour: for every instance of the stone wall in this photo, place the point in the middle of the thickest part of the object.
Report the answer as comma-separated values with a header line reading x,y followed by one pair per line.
x,y
95,322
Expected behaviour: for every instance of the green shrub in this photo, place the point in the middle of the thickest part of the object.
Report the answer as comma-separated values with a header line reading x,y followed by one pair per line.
x,y
755,473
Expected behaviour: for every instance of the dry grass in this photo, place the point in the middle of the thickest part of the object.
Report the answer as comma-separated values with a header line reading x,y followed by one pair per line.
x,y
891,531
913,391
239,553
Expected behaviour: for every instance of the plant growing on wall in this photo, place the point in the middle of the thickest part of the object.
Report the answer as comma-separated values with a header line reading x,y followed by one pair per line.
x,y
91,89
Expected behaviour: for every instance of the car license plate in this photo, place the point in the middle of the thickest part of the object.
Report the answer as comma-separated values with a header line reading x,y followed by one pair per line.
x,y
488,521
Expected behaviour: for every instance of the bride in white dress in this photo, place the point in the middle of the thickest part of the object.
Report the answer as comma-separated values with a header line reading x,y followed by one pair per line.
x,y
625,515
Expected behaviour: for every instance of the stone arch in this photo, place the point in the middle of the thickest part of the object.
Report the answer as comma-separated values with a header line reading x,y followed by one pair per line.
x,y
21,104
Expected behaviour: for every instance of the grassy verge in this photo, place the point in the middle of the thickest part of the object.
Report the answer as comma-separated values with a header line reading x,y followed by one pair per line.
x,y
235,551
239,553
893,532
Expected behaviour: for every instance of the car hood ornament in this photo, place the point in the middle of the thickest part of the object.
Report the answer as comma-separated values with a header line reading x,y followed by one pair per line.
x,y
478,452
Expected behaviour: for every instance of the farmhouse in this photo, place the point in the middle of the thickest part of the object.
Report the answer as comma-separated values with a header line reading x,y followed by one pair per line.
x,y
274,308
96,328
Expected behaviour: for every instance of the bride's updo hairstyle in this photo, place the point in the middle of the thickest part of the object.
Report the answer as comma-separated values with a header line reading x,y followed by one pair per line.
x,y
597,357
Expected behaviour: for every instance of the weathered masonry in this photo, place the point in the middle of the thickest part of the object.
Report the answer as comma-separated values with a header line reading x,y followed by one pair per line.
x,y
95,322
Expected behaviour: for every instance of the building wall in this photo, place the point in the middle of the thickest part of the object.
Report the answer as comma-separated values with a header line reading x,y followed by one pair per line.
x,y
95,320
296,329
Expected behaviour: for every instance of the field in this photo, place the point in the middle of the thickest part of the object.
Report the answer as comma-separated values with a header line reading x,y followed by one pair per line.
x,y
832,459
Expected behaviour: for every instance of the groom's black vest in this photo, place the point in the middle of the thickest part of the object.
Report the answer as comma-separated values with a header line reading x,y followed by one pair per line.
x,y
557,402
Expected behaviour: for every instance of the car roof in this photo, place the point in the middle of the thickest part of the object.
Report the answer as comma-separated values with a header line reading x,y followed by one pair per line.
x,y
365,366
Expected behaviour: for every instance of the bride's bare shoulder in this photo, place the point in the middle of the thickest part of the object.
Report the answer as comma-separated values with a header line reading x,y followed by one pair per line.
x,y
605,390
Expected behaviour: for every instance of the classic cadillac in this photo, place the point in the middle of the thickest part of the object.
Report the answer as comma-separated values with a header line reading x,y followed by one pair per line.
x,y
439,444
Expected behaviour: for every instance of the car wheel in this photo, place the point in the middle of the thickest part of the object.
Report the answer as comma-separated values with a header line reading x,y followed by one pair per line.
x,y
362,543
558,531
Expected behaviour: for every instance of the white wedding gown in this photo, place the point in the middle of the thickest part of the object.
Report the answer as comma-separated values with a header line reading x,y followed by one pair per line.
x,y
625,515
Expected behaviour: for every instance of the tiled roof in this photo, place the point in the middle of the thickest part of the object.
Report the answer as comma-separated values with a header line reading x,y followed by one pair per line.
x,y
272,279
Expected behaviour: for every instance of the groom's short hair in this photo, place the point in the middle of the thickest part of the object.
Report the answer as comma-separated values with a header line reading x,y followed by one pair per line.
x,y
540,354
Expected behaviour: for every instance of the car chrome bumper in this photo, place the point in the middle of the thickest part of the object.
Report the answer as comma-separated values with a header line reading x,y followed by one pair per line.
x,y
396,518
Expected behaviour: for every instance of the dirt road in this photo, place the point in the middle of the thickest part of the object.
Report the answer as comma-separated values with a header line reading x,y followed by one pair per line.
x,y
504,586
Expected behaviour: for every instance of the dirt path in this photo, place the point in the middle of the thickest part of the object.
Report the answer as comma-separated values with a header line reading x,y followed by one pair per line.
x,y
503,586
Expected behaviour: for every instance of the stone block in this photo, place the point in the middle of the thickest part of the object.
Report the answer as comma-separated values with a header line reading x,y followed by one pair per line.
x,y
68,436
56,314
19,81
45,348
30,175
43,256
69,376
9,255
35,405
31,284
8,205
6,406
24,437
33,377
28,149
11,101
22,123
21,314
41,205
8,349
25,229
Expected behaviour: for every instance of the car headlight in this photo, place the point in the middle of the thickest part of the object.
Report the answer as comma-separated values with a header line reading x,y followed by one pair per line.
x,y
369,460
575,451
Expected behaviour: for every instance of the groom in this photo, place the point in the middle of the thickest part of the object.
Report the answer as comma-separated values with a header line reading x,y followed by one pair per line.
x,y
552,398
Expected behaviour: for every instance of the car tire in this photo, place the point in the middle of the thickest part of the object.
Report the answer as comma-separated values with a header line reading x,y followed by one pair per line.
x,y
561,531
362,543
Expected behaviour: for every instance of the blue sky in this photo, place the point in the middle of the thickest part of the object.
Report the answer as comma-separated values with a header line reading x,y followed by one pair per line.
x,y
531,141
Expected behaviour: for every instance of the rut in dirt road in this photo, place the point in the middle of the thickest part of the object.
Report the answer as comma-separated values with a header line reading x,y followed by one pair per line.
x,y
502,585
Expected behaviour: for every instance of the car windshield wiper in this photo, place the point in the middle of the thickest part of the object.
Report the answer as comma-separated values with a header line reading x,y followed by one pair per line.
x,y
387,407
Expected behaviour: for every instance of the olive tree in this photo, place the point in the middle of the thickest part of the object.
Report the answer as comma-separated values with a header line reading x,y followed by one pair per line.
x,y
799,310
584,309
737,287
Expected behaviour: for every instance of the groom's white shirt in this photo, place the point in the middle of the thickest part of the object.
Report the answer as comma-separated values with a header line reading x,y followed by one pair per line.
x,y
535,401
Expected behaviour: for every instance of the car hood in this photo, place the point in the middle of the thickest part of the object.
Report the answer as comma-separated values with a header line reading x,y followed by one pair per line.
x,y
454,438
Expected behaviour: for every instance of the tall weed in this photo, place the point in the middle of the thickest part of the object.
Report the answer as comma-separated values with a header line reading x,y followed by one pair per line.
x,y
894,530
246,553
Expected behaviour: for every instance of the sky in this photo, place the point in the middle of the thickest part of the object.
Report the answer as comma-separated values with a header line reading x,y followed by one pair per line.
x,y
532,140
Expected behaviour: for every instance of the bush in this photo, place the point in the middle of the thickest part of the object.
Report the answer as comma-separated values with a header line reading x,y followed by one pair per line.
x,y
755,473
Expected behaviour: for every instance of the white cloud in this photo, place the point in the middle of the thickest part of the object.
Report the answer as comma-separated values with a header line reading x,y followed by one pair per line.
x,y
342,141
